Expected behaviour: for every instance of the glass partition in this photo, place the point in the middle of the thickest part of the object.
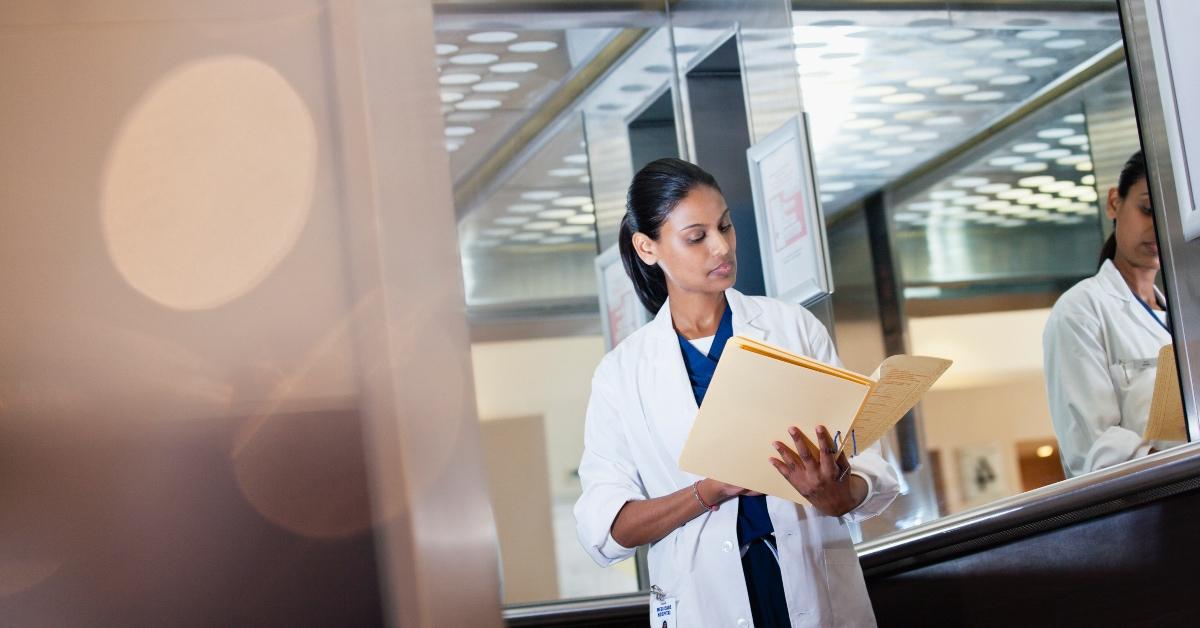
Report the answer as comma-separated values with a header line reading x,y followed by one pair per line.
x,y
964,160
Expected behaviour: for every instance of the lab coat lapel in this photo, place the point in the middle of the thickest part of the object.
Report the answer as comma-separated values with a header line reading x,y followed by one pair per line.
x,y
747,316
1115,285
665,391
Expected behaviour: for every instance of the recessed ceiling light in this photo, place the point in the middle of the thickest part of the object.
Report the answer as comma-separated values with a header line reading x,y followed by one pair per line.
x,y
572,201
571,230
459,131
458,78
566,172
973,199
1010,53
540,195
515,67
476,58
1037,62
1055,133
556,214
1037,35
533,46
837,186
496,86
1054,187
1074,140
467,116
1074,118
994,205
927,82
556,239
525,208
449,97
453,146
1011,79
984,96
578,159
1014,194
826,198
917,114
946,195
1033,166
1089,179
512,220
1053,153
1084,167
1007,160
445,49
526,237
1034,199
582,219
478,104
1064,44
498,232
541,225
907,98
1071,160
944,121
957,90
491,37
1030,147
970,182
1036,182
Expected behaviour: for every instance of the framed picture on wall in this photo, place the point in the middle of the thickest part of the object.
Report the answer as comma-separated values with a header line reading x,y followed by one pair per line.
x,y
621,313
791,227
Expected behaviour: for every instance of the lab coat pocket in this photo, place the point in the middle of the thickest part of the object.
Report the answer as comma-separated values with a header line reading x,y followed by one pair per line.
x,y
1127,372
848,598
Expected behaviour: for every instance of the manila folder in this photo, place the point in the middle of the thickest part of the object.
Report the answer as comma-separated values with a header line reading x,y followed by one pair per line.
x,y
753,399
1166,421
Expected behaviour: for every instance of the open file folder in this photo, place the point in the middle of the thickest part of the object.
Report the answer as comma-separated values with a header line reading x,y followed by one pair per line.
x,y
758,391
1166,421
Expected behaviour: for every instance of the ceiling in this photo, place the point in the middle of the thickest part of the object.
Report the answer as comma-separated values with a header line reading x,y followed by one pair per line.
x,y
885,91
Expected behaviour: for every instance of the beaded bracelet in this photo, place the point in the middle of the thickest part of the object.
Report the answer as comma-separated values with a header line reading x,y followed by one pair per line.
x,y
696,492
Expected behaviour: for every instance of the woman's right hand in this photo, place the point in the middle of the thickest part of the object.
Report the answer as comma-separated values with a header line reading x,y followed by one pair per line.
x,y
723,491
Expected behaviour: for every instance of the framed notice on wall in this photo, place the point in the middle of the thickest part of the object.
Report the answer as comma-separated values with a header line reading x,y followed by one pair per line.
x,y
621,313
791,228
1176,47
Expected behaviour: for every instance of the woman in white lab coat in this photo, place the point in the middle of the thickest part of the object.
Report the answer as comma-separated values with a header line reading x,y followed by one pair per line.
x,y
719,555
1102,340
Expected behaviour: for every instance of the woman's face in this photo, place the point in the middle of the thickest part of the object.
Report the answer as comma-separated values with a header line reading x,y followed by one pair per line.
x,y
1136,243
696,246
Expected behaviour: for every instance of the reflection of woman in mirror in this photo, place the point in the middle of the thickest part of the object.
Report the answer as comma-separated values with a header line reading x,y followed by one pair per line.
x,y
725,555
1102,340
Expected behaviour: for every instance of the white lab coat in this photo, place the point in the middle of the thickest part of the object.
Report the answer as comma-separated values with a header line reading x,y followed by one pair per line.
x,y
639,415
1101,355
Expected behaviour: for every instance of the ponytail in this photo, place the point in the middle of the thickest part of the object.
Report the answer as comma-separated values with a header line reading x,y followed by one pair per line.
x,y
654,192
1109,250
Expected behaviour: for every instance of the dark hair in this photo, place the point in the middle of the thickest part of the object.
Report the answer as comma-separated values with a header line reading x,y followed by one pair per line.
x,y
654,192
1133,171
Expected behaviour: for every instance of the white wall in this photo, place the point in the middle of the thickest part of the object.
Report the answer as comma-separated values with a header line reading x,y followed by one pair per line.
x,y
993,394
551,377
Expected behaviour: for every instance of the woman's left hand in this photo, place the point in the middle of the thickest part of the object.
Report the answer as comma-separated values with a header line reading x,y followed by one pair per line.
x,y
820,480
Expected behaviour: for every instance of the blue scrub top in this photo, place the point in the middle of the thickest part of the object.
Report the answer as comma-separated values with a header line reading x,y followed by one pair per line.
x,y
753,520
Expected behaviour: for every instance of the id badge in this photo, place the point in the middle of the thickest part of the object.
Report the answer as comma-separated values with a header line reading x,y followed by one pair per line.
x,y
662,610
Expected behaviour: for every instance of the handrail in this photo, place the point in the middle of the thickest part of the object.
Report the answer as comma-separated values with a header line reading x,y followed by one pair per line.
x,y
1058,504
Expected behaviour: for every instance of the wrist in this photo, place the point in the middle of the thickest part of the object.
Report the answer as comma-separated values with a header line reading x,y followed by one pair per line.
x,y
712,491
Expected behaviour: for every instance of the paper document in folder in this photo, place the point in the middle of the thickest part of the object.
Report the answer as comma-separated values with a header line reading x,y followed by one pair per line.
x,y
758,391
1166,421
